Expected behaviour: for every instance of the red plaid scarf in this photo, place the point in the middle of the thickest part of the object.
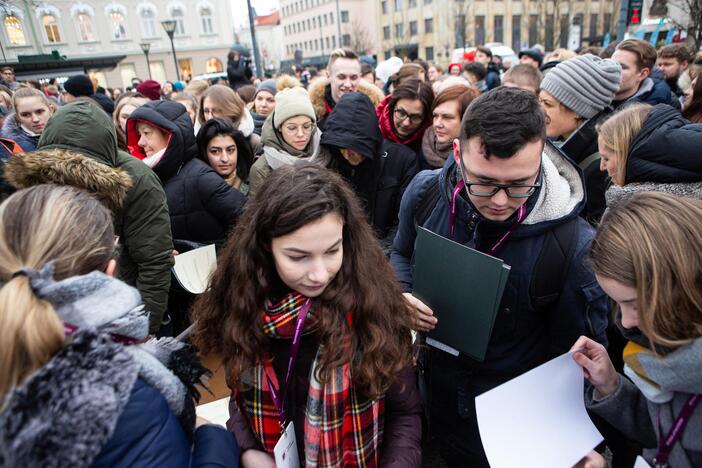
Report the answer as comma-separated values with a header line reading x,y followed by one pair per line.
x,y
342,429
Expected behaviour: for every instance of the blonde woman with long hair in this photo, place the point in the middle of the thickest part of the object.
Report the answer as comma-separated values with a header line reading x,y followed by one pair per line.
x,y
646,148
76,388
647,256
222,102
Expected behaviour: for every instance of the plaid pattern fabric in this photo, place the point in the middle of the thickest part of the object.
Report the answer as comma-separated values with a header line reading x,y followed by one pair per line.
x,y
342,429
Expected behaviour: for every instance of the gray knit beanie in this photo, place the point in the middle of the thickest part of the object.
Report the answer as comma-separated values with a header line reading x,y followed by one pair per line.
x,y
292,102
268,85
585,84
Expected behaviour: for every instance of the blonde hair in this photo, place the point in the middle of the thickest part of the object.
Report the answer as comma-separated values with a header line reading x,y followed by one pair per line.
x,y
22,93
41,224
652,242
560,55
227,100
196,88
617,133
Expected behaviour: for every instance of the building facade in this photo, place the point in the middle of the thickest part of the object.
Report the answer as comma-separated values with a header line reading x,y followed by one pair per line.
x,y
431,29
270,38
313,28
202,37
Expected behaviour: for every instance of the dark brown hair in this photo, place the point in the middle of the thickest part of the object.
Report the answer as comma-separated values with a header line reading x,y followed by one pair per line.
x,y
680,52
459,94
413,88
229,315
645,53
693,112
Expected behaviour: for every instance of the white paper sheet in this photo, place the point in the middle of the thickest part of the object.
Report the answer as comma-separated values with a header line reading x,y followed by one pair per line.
x,y
537,419
216,412
193,269
641,463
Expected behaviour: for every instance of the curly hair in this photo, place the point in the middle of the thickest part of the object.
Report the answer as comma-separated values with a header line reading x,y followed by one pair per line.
x,y
229,315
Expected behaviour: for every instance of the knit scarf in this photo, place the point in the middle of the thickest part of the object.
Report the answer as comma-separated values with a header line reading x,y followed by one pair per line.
x,y
435,153
342,429
387,128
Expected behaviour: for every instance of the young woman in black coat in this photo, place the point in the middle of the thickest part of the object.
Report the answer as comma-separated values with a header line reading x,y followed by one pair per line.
x,y
227,151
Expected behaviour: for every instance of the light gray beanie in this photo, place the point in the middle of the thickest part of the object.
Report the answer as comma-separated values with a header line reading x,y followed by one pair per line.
x,y
585,84
292,102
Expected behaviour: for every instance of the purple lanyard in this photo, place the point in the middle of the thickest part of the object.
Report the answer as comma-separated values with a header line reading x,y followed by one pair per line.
x,y
666,445
278,400
521,214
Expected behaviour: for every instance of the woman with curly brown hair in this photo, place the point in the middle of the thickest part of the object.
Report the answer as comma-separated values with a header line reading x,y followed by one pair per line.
x,y
313,330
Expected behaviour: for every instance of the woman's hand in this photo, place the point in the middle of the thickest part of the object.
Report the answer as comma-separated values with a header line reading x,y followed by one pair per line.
x,y
592,460
597,367
256,459
424,320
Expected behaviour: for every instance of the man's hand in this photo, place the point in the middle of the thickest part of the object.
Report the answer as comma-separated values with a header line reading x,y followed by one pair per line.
x,y
424,320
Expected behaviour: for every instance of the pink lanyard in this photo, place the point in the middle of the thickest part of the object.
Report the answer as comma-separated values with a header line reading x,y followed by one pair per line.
x,y
279,398
666,445
69,329
521,214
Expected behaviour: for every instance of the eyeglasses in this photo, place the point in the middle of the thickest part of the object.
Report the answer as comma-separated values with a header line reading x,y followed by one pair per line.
x,y
401,114
487,189
292,129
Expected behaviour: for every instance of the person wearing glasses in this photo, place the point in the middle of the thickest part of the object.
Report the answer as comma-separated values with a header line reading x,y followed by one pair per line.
x,y
289,134
518,198
404,115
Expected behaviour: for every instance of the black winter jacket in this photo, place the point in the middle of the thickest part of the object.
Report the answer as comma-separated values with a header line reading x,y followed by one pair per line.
x,y
387,168
202,206
666,150
238,74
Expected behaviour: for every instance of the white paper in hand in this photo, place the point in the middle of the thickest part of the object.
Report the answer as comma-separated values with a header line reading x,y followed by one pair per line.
x,y
193,269
216,412
537,419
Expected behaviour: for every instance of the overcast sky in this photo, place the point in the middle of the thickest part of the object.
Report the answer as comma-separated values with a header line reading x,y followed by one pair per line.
x,y
262,7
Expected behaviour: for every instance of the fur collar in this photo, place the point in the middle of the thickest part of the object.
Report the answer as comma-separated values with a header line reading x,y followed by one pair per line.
x,y
63,167
65,413
616,195
316,91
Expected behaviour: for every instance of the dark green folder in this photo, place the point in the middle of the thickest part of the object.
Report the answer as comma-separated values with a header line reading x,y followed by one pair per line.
x,y
464,289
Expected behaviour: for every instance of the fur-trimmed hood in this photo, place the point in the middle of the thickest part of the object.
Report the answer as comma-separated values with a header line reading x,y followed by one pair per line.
x,y
64,167
317,89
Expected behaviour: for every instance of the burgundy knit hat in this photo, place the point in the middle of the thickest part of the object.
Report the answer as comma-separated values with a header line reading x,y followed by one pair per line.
x,y
150,88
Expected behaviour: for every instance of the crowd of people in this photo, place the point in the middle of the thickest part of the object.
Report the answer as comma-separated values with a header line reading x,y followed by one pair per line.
x,y
577,170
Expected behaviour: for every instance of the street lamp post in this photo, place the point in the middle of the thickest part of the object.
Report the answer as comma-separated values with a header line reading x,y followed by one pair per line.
x,y
169,26
145,47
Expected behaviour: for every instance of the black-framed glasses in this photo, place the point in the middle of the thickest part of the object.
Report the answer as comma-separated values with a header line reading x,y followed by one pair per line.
x,y
401,114
488,189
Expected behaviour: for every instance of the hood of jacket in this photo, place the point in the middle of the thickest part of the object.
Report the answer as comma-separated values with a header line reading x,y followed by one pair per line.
x,y
666,150
353,125
63,167
173,119
560,198
387,127
82,126
318,87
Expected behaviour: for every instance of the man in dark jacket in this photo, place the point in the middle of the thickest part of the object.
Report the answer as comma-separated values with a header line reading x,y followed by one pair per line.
x,y
201,205
518,188
83,135
238,72
379,170
492,78
637,59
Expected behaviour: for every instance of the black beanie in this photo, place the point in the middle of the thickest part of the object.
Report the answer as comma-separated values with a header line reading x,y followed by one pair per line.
x,y
79,85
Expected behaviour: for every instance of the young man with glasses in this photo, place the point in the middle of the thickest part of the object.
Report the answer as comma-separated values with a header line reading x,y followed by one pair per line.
x,y
518,199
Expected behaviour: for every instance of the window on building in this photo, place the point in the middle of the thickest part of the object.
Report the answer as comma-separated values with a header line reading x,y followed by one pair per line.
x,y
178,16
533,30
214,65
328,41
148,23
85,27
307,4
388,54
206,21
117,24
593,27
429,54
479,29
14,30
331,18
51,28
413,28
304,26
344,16
324,17
334,42
548,39
516,31
427,2
346,40
428,25
498,22
398,5
607,26
460,31
398,30
384,7
413,3
386,32
314,23
564,28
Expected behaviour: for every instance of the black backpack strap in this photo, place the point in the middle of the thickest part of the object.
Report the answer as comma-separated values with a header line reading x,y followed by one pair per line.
x,y
426,204
553,263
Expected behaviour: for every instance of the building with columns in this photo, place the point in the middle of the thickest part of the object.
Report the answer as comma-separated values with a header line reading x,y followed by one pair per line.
x,y
204,33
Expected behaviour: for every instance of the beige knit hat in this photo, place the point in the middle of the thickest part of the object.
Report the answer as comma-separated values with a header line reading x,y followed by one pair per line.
x,y
292,102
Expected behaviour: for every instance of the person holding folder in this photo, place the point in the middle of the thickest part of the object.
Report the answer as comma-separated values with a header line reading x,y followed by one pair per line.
x,y
507,194
313,330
